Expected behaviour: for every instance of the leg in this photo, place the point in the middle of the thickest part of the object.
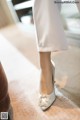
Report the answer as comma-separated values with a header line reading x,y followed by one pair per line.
x,y
50,37
46,73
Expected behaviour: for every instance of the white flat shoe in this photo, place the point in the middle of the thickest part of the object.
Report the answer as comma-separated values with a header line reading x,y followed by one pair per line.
x,y
45,101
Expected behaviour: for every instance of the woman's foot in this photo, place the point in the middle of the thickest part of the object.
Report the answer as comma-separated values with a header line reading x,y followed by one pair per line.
x,y
45,101
47,92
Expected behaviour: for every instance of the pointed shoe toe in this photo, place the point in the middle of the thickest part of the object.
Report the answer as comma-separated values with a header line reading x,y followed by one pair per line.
x,y
45,101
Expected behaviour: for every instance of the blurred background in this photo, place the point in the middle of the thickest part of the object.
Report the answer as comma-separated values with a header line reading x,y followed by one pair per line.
x,y
17,26
21,11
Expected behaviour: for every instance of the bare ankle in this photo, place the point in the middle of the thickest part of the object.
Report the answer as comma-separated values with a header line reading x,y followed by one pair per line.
x,y
46,84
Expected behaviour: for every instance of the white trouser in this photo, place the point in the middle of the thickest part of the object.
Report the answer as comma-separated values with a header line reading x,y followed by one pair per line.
x,y
49,28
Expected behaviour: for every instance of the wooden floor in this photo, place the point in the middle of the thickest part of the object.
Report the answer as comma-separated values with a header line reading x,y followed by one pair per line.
x,y
23,78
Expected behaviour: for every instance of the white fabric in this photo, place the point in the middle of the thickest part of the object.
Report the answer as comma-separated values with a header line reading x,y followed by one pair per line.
x,y
49,28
